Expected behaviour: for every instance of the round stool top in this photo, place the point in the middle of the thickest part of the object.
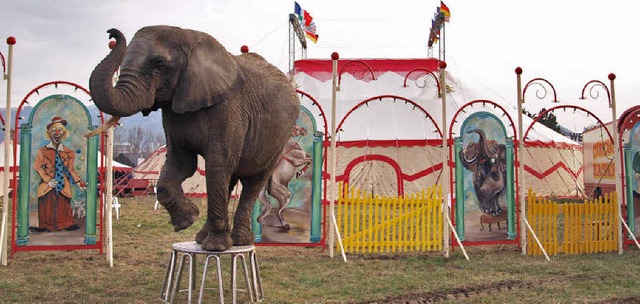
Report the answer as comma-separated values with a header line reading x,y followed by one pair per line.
x,y
193,247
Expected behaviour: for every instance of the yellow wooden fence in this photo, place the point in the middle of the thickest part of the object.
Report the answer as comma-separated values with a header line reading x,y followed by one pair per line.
x,y
572,228
372,223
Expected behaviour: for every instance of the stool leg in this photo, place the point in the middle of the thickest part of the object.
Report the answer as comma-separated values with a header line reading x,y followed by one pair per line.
x,y
219,275
233,279
234,287
192,276
168,277
176,284
193,265
247,280
255,271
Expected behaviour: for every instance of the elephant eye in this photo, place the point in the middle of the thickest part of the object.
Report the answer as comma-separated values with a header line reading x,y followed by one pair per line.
x,y
493,161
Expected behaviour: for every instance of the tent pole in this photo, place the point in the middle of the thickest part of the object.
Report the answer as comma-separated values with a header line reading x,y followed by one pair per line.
x,y
521,200
7,154
446,232
616,157
333,193
109,195
332,183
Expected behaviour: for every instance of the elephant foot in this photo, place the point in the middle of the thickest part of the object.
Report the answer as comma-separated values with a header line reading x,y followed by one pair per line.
x,y
242,236
215,241
203,233
183,214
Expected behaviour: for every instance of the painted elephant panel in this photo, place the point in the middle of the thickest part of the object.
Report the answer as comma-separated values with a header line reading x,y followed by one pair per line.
x,y
483,158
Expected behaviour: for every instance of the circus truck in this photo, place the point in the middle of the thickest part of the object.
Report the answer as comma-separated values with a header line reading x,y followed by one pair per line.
x,y
599,170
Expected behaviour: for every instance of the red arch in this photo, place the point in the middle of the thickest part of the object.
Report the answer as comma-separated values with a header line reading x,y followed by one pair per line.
x,y
317,105
483,101
36,91
342,69
423,70
543,113
347,172
4,67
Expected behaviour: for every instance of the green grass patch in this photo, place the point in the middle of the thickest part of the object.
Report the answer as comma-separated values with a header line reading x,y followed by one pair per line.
x,y
496,274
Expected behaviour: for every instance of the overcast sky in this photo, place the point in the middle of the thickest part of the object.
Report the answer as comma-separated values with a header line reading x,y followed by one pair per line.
x,y
567,42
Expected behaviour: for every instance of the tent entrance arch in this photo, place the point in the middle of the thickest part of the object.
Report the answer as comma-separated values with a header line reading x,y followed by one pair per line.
x,y
484,180
385,161
563,164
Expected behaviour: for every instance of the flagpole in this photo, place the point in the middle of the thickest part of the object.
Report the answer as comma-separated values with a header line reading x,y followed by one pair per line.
x,y
444,42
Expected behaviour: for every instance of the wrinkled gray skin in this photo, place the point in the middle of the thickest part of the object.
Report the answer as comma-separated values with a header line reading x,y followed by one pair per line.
x,y
486,159
235,111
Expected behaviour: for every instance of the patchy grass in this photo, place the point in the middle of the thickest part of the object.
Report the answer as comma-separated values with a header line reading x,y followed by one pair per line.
x,y
496,274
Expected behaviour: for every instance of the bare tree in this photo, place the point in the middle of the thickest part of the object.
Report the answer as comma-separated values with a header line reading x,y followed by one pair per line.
x,y
120,134
136,137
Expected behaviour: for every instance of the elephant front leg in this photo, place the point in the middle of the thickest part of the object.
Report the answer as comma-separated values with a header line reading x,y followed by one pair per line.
x,y
179,165
216,233
242,234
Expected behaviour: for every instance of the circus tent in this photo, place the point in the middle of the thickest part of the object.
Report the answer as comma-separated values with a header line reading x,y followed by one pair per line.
x,y
389,116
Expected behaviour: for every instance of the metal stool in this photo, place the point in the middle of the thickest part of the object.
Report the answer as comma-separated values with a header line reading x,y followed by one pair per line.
x,y
190,250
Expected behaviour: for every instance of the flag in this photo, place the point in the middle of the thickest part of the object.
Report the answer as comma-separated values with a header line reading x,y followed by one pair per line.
x,y
310,32
304,16
306,21
445,11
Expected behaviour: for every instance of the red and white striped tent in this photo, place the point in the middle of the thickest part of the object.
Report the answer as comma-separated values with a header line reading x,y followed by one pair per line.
x,y
389,116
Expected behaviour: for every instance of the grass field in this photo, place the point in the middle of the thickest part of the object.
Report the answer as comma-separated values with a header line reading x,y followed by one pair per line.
x,y
496,274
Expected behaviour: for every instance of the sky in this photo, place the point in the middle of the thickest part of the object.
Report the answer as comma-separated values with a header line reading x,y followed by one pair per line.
x,y
568,42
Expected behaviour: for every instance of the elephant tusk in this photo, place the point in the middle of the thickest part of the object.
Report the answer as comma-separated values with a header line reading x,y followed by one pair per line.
x,y
112,121
469,161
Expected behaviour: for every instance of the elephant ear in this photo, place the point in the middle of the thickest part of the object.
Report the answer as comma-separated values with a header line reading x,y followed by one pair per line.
x,y
211,76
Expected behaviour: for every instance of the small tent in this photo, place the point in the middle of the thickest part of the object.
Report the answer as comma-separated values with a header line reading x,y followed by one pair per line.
x,y
151,167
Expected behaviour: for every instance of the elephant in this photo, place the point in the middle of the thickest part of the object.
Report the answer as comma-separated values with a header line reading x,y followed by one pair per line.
x,y
236,111
293,157
486,159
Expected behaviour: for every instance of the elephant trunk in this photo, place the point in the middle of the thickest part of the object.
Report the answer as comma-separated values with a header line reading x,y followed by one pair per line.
x,y
130,95
483,148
